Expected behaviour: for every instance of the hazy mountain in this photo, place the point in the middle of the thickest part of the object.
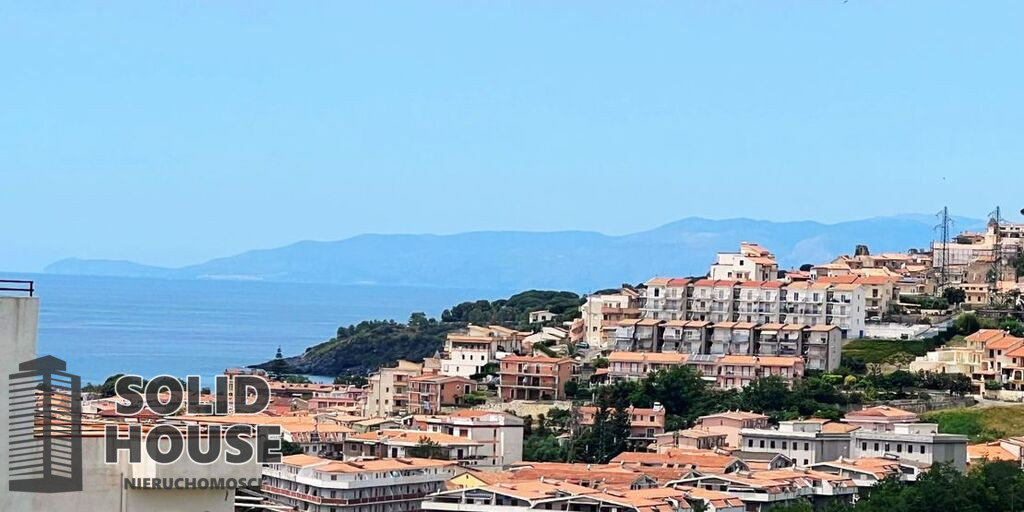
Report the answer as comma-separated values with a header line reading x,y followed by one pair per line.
x,y
573,260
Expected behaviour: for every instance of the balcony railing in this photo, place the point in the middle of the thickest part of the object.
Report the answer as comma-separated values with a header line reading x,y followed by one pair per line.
x,y
16,285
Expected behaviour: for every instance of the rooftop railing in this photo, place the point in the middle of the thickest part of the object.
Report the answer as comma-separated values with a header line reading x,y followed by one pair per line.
x,y
15,285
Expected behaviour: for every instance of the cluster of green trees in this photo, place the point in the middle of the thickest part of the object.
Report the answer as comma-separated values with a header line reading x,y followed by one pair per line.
x,y
515,311
926,301
989,487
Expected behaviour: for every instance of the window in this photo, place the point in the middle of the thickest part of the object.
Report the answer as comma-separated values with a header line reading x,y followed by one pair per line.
x,y
772,444
899,448
886,446
876,447
784,445
750,443
864,446
761,444
807,446
922,448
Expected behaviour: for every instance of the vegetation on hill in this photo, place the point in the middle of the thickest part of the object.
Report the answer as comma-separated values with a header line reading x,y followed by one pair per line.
x,y
363,348
980,424
515,311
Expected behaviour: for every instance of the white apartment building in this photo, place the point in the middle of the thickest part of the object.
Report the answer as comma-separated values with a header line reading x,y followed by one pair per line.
x,y
805,442
751,263
911,442
313,484
500,434
842,305
601,314
467,353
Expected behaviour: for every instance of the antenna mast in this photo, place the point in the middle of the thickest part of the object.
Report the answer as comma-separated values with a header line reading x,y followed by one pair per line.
x,y
943,228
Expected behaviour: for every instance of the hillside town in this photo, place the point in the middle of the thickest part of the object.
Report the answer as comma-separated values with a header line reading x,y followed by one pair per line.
x,y
724,392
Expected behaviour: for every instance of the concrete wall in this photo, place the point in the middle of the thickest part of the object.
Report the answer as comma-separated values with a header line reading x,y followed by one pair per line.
x,y
18,322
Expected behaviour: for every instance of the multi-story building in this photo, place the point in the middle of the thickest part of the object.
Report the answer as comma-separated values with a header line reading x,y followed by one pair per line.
x,y
733,372
388,392
534,377
758,302
880,292
644,423
313,484
643,335
732,338
500,434
467,353
399,443
731,422
911,442
344,397
548,494
823,347
638,365
602,313
696,438
429,393
805,442
751,263
664,298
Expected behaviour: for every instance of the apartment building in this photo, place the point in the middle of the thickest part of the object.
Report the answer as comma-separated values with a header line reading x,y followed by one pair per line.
x,y
881,293
549,494
429,393
816,303
541,316
313,484
500,434
731,423
642,335
763,491
664,298
732,338
602,313
734,372
535,377
644,423
399,443
758,301
805,442
911,442
685,336
388,392
823,347
696,438
638,365
465,354
752,263
343,397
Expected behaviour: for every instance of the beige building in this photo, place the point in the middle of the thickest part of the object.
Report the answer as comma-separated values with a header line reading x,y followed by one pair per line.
x,y
388,393
751,263
500,434
602,313
466,354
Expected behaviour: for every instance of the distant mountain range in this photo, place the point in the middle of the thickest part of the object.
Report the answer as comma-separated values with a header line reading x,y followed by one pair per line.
x,y
514,260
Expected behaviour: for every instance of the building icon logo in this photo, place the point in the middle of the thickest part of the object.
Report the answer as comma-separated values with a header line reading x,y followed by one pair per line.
x,y
45,428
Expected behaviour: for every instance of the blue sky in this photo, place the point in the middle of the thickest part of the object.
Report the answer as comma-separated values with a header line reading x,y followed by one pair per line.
x,y
171,133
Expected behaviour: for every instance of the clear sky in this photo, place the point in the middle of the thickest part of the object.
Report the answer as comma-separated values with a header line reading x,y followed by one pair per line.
x,y
172,132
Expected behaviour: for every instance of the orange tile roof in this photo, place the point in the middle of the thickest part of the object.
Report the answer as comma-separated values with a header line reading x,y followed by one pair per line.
x,y
989,451
1003,343
880,411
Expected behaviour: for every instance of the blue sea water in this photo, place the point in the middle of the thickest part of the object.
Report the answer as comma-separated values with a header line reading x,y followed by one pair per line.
x,y
107,325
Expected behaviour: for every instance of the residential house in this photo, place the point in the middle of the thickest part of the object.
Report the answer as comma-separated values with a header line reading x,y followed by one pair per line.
x,y
637,365
602,313
388,389
429,393
500,434
534,377
644,423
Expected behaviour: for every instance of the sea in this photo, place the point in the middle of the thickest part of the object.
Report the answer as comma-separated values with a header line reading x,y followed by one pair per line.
x,y
107,325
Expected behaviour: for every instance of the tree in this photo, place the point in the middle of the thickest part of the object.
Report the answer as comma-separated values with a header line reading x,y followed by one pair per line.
x,y
967,323
797,505
290,448
427,449
954,295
